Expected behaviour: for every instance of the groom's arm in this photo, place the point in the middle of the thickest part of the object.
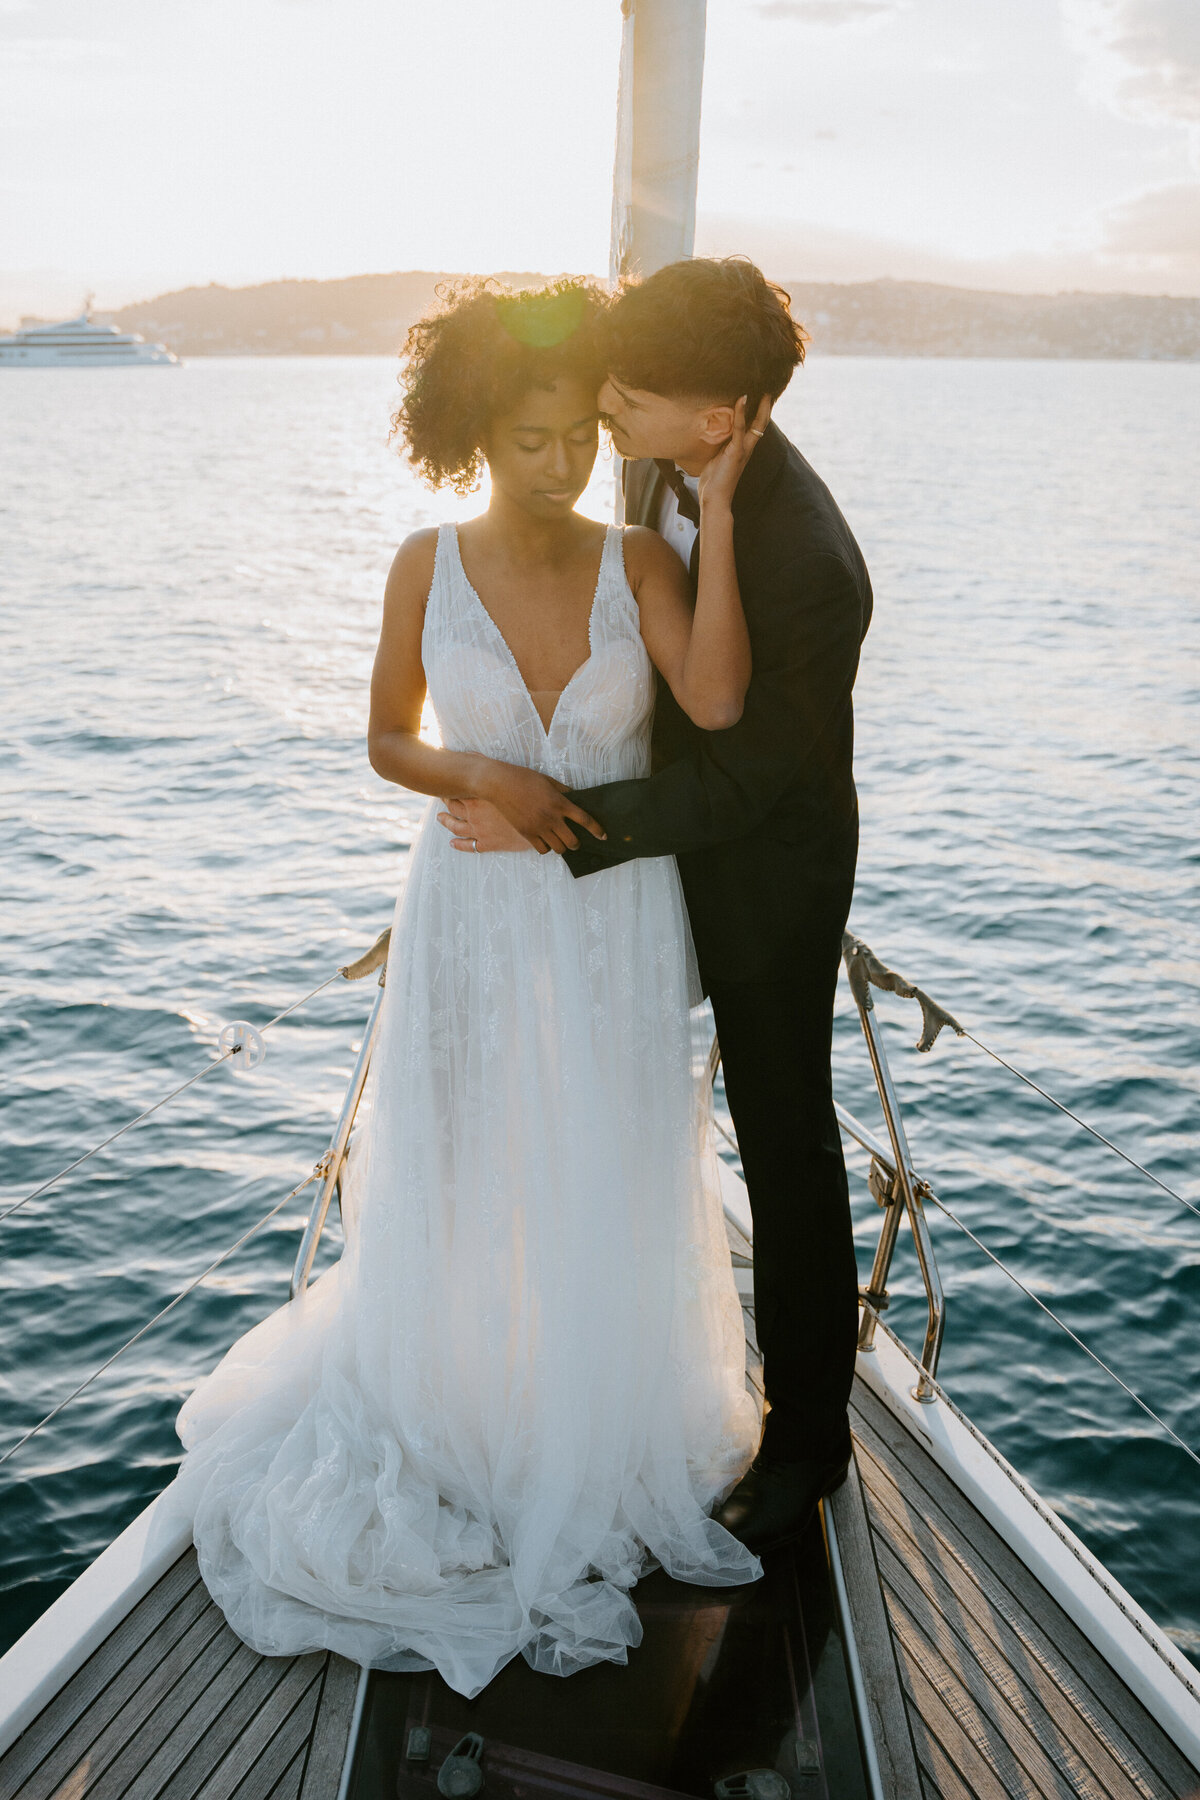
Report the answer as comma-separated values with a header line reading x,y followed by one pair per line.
x,y
805,661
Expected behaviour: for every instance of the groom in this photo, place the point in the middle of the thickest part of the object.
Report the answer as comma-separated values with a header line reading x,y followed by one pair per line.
x,y
763,819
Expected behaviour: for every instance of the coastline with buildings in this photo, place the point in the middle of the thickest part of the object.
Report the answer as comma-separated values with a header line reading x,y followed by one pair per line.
x,y
368,315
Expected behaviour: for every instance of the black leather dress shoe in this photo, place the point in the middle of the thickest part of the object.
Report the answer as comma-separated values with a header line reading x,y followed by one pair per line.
x,y
774,1500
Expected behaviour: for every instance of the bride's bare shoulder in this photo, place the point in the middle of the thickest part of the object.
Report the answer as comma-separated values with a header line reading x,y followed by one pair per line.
x,y
646,553
411,574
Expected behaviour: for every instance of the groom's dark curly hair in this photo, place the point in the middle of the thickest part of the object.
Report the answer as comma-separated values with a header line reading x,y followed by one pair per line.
x,y
705,329
471,360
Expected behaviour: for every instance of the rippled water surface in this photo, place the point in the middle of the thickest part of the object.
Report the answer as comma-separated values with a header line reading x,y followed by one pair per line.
x,y
192,567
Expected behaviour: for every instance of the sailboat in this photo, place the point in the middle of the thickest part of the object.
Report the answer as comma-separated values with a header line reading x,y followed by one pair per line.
x,y
938,1634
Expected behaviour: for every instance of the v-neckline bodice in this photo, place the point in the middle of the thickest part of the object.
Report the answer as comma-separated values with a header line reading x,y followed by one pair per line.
x,y
507,648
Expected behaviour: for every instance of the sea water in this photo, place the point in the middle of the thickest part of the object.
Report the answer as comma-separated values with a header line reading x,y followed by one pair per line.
x,y
193,561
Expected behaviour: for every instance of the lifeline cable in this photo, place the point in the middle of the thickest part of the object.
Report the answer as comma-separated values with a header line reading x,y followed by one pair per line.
x,y
865,970
170,1306
121,1130
1115,1148
991,1255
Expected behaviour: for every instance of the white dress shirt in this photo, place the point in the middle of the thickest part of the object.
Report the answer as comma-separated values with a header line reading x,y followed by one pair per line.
x,y
679,532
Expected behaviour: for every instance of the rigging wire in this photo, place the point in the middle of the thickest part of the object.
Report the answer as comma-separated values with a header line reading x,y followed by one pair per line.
x,y
866,971
170,1307
1065,1327
929,1195
1115,1148
183,1086
1043,1203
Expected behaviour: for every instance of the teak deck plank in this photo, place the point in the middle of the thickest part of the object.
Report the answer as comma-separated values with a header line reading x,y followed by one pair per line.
x,y
146,1727
1032,1654
194,1723
292,1699
977,1748
988,1567
289,1742
122,1707
144,1634
888,1720
739,1243
958,1770
288,1785
977,1631
219,1739
331,1729
1025,1674
173,1706
753,1369
1038,1745
985,1553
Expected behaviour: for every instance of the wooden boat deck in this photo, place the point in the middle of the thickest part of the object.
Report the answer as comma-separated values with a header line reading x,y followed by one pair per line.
x,y
173,1704
1004,1695
978,1685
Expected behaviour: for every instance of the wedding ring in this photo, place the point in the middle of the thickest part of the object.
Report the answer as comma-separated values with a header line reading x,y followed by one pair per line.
x,y
753,432
475,845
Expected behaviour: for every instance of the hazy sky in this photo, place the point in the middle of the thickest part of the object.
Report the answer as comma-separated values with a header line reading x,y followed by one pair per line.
x,y
147,144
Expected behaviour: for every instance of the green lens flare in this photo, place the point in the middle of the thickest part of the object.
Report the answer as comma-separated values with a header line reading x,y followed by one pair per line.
x,y
542,320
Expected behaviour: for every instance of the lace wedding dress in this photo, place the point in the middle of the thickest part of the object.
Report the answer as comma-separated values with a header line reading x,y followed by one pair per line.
x,y
522,1385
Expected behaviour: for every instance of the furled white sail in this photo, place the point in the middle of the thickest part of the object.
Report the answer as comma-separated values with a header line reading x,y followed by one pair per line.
x,y
658,134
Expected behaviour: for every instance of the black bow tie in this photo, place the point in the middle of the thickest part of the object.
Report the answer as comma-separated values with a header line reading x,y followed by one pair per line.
x,y
689,506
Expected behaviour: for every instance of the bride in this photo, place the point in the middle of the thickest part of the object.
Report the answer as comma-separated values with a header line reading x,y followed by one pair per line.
x,y
522,1386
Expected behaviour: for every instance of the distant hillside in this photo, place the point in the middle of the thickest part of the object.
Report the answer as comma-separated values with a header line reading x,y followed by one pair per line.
x,y
368,315
915,318
364,315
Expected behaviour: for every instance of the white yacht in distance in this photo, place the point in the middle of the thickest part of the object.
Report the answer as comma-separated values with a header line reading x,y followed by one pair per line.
x,y
78,343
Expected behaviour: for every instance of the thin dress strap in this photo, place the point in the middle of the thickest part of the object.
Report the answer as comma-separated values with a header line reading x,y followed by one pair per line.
x,y
443,570
614,580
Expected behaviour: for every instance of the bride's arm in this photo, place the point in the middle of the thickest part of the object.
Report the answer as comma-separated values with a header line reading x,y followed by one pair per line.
x,y
533,803
704,655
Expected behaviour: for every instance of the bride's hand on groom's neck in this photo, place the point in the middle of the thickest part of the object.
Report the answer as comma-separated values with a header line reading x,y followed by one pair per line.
x,y
719,478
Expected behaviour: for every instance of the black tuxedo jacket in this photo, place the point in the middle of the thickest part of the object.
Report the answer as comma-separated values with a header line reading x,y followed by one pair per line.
x,y
763,817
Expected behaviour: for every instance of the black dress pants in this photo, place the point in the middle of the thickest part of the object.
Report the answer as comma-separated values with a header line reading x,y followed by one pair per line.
x,y
775,1037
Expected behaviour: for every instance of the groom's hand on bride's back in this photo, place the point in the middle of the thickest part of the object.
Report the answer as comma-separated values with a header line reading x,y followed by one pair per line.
x,y
530,811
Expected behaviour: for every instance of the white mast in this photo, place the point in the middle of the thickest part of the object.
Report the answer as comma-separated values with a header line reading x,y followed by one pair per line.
x,y
658,134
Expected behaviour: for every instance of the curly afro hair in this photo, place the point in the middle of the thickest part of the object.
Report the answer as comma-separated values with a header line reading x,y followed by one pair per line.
x,y
473,358
707,328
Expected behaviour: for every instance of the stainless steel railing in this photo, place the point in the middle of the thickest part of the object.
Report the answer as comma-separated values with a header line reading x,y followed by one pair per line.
x,y
893,1181
333,1162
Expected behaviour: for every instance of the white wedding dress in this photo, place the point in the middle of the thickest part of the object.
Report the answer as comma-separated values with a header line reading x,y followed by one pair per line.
x,y
522,1385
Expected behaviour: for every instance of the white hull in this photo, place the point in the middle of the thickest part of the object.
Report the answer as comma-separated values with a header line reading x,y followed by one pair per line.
x,y
79,344
85,356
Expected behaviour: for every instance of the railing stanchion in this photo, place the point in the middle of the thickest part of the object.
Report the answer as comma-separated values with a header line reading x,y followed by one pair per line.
x,y
334,1158
910,1192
